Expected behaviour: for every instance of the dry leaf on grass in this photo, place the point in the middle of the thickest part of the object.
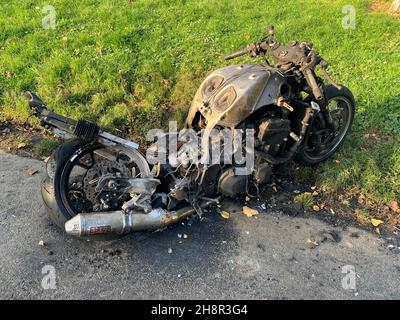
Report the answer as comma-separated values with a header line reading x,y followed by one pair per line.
x,y
225,214
315,194
315,207
394,206
21,145
249,212
376,222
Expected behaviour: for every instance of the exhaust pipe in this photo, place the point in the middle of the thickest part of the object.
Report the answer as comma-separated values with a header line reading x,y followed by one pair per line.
x,y
117,223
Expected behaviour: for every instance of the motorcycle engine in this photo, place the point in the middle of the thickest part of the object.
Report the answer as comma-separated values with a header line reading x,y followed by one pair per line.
x,y
273,131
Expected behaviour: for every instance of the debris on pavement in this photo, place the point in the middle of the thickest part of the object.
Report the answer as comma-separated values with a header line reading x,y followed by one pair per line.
x,y
225,214
249,212
323,236
312,242
169,250
327,235
33,171
41,243
293,209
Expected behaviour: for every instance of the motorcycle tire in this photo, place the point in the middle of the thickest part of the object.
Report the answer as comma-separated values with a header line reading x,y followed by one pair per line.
x,y
55,165
344,95
57,168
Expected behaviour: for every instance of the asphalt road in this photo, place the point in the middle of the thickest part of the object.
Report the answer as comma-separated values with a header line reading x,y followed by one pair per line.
x,y
267,257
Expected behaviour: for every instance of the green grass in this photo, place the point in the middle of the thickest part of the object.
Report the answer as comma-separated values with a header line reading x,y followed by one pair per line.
x,y
305,199
45,147
106,62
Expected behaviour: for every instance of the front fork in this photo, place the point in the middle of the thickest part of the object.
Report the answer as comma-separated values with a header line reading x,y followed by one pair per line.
x,y
324,115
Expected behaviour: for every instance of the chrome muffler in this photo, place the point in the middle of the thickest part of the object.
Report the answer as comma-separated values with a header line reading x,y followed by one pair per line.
x,y
117,223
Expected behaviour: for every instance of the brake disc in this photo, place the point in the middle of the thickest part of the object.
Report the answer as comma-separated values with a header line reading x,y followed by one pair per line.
x,y
101,169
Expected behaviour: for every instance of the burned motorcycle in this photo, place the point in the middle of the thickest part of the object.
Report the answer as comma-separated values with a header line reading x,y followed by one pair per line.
x,y
98,184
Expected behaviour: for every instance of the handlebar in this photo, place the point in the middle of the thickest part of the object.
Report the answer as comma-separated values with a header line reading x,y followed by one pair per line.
x,y
237,54
299,54
251,48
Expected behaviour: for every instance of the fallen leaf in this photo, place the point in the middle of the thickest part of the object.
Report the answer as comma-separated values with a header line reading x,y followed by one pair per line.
x,y
337,161
376,222
313,187
21,145
315,194
41,243
249,212
315,207
225,214
247,198
32,171
394,205
313,242
165,82
377,231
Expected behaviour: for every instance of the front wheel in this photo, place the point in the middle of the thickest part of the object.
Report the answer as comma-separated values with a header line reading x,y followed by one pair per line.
x,y
322,142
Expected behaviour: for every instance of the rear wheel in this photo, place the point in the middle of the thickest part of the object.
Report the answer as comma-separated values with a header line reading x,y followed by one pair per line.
x,y
323,142
74,171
